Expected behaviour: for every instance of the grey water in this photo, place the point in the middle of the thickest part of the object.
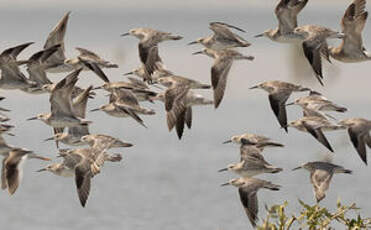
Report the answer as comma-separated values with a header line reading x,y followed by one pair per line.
x,y
163,183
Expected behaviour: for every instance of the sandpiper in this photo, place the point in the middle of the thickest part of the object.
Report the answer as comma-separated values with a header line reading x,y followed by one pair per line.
x,y
96,140
11,75
12,168
279,92
353,22
248,189
286,12
184,114
320,176
314,44
252,138
62,114
56,37
315,126
148,47
253,164
223,37
74,134
220,69
316,101
123,103
359,133
36,66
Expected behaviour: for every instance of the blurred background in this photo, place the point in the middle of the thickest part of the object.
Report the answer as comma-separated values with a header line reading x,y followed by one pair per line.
x,y
164,183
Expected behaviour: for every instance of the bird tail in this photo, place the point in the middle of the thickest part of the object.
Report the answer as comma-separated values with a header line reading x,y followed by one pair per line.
x,y
205,86
275,170
248,58
114,158
110,65
85,122
269,144
271,186
175,37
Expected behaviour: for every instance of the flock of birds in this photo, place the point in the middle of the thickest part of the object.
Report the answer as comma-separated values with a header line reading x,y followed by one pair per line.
x,y
153,82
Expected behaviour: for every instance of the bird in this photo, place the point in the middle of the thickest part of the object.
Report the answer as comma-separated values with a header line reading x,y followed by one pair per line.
x,y
74,134
148,47
36,66
286,12
123,103
11,173
279,92
62,114
247,189
220,69
95,140
359,133
315,126
320,176
11,75
56,37
223,37
83,164
191,99
252,164
353,22
314,44
169,79
316,101
254,139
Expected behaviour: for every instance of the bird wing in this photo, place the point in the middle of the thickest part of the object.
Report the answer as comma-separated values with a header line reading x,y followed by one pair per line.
x,y
286,12
318,134
4,183
278,105
188,117
249,202
219,74
56,37
312,51
175,103
61,96
80,102
83,180
94,67
353,23
13,52
358,139
126,97
148,53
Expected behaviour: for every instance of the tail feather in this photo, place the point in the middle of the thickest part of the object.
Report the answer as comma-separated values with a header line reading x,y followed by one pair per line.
x,y
269,144
175,37
271,186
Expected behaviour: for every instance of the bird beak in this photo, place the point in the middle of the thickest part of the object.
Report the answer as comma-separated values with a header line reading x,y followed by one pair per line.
x,y
125,34
49,139
292,103
11,134
4,110
41,170
192,43
199,52
43,158
94,110
254,87
223,170
130,73
225,184
226,142
32,118
259,35
296,168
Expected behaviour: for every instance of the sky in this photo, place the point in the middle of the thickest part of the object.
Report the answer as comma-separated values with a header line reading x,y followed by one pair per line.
x,y
150,4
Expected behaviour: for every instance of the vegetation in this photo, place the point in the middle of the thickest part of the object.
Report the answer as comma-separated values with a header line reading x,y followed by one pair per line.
x,y
314,218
